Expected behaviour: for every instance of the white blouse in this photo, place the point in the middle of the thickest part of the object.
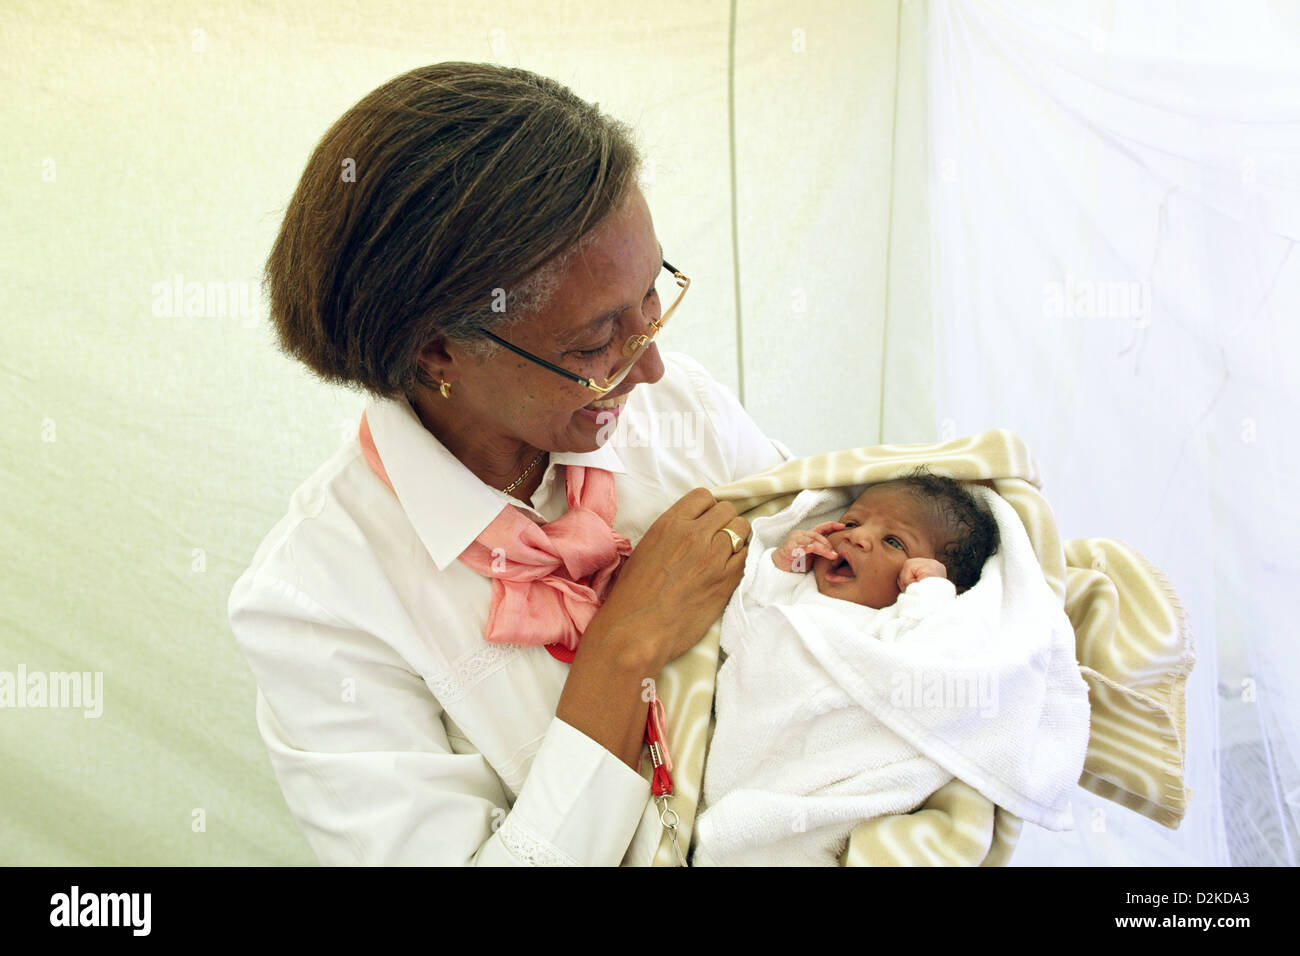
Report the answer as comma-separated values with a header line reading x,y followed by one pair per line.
x,y
397,733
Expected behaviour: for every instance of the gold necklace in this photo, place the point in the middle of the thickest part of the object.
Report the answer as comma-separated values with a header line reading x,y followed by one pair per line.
x,y
531,465
508,488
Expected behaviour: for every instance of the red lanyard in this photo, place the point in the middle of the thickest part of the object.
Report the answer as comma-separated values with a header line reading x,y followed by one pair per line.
x,y
661,784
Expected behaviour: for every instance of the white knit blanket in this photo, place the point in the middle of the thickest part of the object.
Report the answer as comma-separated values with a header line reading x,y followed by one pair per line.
x,y
823,722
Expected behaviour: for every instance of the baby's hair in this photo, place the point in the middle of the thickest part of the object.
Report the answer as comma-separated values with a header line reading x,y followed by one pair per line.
x,y
971,532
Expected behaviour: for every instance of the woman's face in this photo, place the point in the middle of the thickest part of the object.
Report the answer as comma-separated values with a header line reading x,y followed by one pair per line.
x,y
607,293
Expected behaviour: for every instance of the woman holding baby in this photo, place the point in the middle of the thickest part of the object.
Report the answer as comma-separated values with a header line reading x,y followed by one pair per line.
x,y
453,627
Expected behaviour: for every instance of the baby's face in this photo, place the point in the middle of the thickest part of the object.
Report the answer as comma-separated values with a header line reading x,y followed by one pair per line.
x,y
886,526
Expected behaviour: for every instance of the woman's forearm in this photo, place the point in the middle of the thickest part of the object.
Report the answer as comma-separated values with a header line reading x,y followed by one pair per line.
x,y
669,591
605,695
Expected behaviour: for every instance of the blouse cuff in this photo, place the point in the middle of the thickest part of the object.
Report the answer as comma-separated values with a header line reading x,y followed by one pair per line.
x,y
580,806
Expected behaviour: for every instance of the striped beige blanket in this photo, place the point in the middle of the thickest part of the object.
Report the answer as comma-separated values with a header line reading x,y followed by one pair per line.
x,y
1132,638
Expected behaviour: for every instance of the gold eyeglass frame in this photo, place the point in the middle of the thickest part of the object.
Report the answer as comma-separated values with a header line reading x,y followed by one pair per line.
x,y
633,348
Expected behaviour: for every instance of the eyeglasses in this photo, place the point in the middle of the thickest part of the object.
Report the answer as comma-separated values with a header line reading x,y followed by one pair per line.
x,y
633,348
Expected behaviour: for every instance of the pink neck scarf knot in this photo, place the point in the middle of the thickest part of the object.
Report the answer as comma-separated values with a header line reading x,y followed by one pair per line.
x,y
548,580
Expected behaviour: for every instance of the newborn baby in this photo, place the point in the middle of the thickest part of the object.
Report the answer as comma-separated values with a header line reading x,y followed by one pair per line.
x,y
895,534
796,760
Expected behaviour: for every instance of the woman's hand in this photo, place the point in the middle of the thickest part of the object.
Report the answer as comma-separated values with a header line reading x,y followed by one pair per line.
x,y
677,580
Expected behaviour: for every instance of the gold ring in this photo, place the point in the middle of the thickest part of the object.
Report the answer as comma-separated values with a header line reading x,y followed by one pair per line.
x,y
737,542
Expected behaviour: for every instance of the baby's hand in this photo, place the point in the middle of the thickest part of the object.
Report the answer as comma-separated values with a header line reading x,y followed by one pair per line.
x,y
914,569
795,553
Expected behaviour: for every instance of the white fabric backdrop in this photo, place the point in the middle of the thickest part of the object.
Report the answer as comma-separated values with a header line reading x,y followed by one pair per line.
x,y
1116,203
799,178
149,447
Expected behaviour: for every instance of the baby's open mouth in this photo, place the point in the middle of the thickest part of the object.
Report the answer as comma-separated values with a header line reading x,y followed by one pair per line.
x,y
840,570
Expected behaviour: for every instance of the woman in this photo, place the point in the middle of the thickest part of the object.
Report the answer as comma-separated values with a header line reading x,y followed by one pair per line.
x,y
468,244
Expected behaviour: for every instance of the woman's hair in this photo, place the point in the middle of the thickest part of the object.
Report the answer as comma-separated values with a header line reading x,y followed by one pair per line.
x,y
971,532
444,202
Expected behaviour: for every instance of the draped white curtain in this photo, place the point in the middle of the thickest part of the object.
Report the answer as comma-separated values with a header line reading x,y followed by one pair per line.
x,y
1115,206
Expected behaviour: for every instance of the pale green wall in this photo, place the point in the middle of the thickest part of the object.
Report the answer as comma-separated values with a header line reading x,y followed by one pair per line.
x,y
146,455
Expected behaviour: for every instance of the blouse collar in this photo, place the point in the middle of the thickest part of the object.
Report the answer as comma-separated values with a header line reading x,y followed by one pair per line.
x,y
447,504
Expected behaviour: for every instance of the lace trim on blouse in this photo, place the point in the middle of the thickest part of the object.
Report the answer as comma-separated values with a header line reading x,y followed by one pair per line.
x,y
529,848
469,669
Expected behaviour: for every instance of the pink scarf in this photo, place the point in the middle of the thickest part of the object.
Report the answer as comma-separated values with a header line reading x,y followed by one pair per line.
x,y
548,580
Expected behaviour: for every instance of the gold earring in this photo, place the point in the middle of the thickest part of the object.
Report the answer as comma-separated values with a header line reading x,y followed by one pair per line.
x,y
445,389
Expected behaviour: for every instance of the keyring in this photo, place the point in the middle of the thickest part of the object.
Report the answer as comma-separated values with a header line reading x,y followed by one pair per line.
x,y
671,826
